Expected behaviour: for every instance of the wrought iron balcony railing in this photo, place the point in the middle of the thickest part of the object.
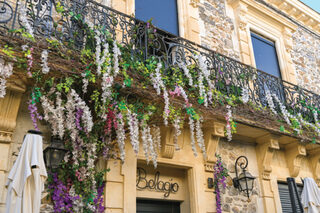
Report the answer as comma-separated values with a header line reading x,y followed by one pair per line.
x,y
230,75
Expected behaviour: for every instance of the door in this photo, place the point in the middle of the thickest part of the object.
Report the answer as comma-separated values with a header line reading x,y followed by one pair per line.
x,y
155,206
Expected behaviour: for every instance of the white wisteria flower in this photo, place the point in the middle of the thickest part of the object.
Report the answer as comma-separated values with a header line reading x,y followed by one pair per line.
x,y
200,138
144,139
116,55
44,62
121,136
6,70
229,121
193,142
245,95
152,148
185,69
134,130
177,132
24,19
158,84
270,101
206,73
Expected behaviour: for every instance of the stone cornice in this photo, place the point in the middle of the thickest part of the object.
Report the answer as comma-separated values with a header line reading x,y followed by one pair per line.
x,y
299,12
294,9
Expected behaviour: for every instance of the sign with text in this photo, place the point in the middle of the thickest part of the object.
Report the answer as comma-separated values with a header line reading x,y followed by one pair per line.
x,y
155,183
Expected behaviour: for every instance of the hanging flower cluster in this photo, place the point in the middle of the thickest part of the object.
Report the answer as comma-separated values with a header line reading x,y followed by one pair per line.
x,y
245,95
33,110
220,174
134,130
44,62
24,19
29,56
229,121
204,72
5,72
158,84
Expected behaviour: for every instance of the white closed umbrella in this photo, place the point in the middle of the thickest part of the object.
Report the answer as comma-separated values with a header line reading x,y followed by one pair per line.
x,y
26,178
310,197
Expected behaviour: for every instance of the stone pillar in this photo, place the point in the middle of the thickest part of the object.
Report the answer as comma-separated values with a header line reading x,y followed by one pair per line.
x,y
120,190
9,107
241,10
191,25
290,74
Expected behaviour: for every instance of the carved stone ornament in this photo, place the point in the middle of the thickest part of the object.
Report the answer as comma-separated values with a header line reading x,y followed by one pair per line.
x,y
194,3
242,10
266,146
294,154
168,148
9,107
212,135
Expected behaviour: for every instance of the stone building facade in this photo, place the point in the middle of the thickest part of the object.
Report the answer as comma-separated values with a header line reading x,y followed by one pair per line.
x,y
224,26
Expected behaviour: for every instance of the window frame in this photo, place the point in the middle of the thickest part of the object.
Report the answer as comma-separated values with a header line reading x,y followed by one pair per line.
x,y
266,40
182,8
278,44
178,18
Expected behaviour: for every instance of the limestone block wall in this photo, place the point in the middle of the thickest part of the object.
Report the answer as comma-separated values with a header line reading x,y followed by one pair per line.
x,y
216,28
232,200
306,58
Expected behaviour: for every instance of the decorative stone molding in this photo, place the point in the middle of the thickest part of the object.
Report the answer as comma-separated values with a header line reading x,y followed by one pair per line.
x,y
299,12
9,107
212,137
265,149
168,148
288,39
314,158
294,153
242,10
194,3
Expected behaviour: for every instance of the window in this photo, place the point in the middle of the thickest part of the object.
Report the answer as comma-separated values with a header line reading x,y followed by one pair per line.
x,y
163,13
266,59
265,55
285,197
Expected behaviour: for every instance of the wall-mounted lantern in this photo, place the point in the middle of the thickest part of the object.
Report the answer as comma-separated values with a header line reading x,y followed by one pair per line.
x,y
54,153
244,181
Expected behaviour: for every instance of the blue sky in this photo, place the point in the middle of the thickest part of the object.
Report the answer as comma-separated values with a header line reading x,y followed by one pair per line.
x,y
314,4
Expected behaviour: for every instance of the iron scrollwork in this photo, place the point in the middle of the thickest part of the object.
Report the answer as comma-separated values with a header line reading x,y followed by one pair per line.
x,y
229,76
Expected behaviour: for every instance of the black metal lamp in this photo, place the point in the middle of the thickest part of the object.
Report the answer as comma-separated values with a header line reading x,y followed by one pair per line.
x,y
54,153
244,181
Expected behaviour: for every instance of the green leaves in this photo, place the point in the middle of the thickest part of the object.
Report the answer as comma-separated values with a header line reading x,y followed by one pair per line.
x,y
66,86
282,129
8,51
36,95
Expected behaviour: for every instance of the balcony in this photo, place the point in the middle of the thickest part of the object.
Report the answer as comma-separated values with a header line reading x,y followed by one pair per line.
x,y
60,21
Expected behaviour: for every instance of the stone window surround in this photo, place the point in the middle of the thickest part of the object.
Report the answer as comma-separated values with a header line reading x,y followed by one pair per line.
x,y
249,16
276,37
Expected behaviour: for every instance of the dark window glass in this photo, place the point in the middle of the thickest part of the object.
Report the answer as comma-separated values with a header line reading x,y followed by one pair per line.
x,y
265,55
163,13
155,206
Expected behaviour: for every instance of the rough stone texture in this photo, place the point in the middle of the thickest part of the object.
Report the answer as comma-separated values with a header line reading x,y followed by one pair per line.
x,y
306,58
232,200
216,27
46,208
